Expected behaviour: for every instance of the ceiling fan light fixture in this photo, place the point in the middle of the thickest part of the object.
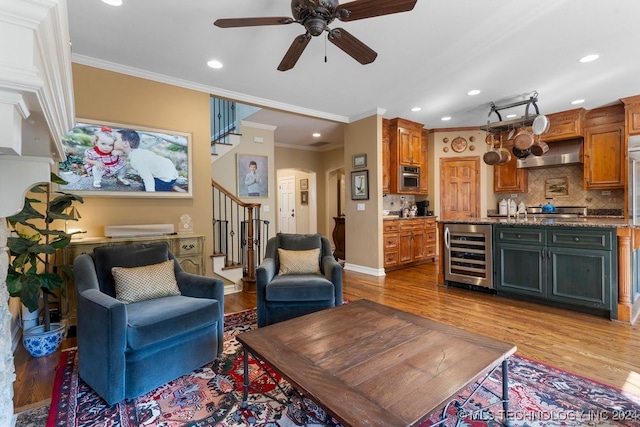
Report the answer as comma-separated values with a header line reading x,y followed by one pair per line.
x,y
315,26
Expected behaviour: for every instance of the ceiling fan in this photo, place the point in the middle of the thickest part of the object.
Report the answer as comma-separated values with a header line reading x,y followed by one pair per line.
x,y
316,15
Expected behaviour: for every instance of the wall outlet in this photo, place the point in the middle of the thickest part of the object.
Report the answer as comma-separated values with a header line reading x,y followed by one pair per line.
x,y
266,208
606,193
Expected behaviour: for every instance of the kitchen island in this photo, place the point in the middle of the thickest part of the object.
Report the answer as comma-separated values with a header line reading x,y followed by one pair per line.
x,y
558,250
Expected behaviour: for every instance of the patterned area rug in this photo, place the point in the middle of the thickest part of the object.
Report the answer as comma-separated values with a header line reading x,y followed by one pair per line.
x,y
541,396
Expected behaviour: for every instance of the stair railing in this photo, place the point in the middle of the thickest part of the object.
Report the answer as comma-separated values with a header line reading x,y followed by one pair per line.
x,y
238,233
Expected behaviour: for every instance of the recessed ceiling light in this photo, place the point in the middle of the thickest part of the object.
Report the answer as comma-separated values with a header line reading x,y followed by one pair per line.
x,y
416,109
316,135
589,58
214,63
577,101
473,92
510,116
445,118
113,2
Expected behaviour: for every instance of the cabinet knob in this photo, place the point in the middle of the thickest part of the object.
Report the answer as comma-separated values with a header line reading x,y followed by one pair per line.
x,y
519,236
576,239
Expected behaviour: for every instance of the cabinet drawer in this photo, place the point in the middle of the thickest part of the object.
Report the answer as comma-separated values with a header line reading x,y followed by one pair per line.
x,y
390,258
390,226
411,225
531,235
391,242
430,236
187,246
601,239
430,251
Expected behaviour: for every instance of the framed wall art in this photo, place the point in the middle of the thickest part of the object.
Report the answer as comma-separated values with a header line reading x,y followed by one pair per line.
x,y
359,161
112,159
304,184
360,185
304,197
554,187
253,175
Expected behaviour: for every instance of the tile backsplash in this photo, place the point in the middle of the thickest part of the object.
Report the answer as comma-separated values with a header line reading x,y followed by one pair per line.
x,y
577,195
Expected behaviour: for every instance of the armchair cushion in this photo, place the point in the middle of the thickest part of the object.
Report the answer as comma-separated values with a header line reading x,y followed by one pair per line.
x,y
299,261
147,282
312,287
163,319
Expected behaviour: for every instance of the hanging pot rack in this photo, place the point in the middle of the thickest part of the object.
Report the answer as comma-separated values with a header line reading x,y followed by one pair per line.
x,y
523,121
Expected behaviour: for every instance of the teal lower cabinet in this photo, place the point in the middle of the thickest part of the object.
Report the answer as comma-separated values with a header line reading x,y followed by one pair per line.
x,y
568,267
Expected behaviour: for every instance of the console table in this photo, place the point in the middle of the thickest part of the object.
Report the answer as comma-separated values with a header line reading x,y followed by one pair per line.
x,y
187,248
338,238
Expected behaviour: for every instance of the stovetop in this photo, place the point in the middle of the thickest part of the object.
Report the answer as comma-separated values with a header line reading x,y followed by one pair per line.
x,y
561,212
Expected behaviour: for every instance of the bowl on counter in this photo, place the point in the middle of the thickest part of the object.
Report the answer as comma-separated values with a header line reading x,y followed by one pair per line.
x,y
386,212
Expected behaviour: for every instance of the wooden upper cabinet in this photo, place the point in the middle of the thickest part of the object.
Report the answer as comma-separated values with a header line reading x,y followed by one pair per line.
x,y
386,158
632,109
424,176
565,125
406,138
508,178
604,149
406,149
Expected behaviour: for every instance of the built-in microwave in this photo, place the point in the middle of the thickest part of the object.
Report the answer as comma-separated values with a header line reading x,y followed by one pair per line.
x,y
409,179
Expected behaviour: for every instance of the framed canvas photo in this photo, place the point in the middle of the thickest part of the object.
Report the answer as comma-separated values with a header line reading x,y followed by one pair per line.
x,y
253,176
304,197
112,159
554,187
304,184
359,161
360,185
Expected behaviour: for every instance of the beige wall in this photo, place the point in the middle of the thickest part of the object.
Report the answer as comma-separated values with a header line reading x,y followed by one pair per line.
x,y
112,97
363,227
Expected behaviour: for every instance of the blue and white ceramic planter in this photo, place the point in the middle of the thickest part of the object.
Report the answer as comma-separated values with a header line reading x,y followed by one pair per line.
x,y
39,343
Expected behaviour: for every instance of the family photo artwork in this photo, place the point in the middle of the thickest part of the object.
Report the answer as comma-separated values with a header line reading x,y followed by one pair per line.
x,y
253,176
110,159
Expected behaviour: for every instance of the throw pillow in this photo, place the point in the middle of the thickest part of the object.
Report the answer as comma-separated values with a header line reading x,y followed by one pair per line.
x,y
146,282
299,262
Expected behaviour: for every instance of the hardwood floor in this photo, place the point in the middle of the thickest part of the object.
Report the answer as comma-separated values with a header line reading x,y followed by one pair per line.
x,y
588,345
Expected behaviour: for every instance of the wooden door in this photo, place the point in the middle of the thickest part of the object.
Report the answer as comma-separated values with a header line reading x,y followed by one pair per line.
x,y
459,188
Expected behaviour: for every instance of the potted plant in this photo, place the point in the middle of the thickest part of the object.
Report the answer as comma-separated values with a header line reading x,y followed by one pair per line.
x,y
32,274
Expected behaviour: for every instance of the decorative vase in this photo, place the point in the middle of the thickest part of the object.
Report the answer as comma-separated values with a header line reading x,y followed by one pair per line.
x,y
40,343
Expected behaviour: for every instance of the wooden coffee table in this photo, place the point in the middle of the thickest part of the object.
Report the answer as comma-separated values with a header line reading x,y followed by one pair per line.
x,y
371,365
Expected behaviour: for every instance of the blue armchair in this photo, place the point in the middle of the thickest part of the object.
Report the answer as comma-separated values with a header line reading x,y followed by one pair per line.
x,y
128,349
283,292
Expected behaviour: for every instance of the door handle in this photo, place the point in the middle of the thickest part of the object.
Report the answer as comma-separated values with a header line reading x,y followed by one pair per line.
x,y
292,213
446,237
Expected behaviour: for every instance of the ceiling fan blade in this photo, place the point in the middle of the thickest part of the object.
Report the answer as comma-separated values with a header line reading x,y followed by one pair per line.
x,y
361,9
352,46
252,22
294,52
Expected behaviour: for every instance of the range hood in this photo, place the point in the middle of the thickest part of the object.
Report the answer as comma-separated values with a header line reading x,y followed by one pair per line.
x,y
568,152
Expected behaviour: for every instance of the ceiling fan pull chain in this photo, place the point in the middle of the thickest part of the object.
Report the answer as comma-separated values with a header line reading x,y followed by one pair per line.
x,y
325,49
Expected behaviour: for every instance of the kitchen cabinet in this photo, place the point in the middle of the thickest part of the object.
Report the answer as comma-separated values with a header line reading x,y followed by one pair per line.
x,y
408,241
604,149
564,266
386,158
424,161
187,248
508,178
405,149
632,110
565,125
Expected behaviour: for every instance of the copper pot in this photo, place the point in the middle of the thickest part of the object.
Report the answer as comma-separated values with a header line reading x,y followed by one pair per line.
x,y
505,156
521,154
523,140
492,157
539,148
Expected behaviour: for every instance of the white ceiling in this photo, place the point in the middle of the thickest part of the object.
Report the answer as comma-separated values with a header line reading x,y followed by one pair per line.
x,y
429,57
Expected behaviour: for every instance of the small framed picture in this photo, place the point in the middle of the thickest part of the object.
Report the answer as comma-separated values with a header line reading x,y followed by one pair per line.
x,y
554,187
359,161
304,184
304,197
360,185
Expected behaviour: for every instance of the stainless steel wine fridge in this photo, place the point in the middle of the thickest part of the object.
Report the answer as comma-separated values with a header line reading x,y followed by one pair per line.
x,y
468,254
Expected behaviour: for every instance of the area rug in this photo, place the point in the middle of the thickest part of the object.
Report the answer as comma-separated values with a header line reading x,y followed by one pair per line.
x,y
541,396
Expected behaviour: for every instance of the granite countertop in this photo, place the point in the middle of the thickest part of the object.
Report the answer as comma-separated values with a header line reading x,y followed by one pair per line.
x,y
390,217
602,222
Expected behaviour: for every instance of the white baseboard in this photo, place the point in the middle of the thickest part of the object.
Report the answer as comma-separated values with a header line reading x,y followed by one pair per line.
x,y
379,272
